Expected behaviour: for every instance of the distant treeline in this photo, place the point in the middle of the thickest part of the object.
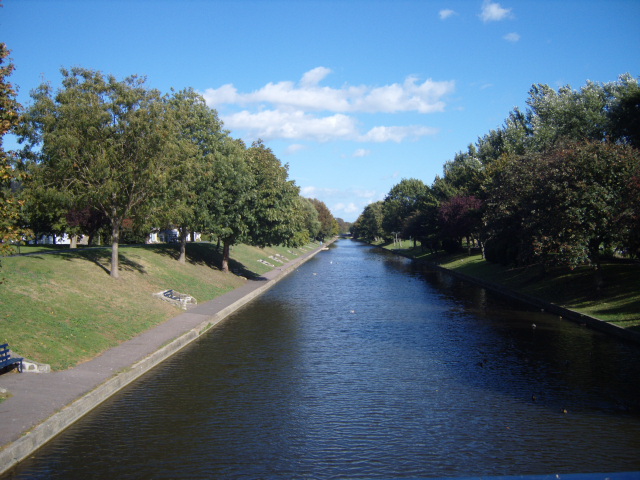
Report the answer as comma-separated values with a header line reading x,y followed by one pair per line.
x,y
556,184
114,157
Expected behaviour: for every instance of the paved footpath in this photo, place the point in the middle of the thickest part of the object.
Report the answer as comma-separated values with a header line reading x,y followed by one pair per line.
x,y
42,405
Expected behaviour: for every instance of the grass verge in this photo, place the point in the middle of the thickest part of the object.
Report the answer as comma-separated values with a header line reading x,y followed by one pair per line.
x,y
617,302
61,307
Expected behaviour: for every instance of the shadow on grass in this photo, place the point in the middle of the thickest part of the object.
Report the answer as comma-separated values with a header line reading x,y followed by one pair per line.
x,y
204,254
101,256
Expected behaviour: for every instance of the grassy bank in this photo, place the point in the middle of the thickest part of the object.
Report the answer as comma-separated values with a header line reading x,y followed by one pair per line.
x,y
617,302
61,307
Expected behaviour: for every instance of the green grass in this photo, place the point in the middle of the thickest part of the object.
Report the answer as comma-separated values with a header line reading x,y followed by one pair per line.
x,y
63,308
617,302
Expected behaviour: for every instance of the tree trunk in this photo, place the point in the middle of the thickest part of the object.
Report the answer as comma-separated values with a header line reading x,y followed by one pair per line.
x,y
74,241
594,254
115,239
183,244
225,255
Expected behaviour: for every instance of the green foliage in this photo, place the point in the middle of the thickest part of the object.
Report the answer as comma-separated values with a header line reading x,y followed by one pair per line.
x,y
198,138
145,161
401,202
11,230
273,198
368,226
624,110
101,143
555,185
328,224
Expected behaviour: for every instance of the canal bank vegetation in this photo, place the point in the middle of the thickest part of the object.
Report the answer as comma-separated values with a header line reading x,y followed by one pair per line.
x,y
549,202
112,160
618,302
58,305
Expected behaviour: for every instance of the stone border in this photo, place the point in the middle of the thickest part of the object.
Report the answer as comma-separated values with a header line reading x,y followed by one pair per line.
x,y
14,452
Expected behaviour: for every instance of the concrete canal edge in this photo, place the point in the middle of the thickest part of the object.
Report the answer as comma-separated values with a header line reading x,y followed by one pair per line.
x,y
16,451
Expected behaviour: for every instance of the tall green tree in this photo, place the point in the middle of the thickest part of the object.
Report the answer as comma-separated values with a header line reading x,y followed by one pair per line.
x,y
11,229
328,224
198,139
567,114
103,142
510,193
310,224
273,200
400,203
249,198
224,191
368,226
584,202
624,110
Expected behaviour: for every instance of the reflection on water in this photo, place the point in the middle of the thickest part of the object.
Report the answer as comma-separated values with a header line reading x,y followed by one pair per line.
x,y
362,365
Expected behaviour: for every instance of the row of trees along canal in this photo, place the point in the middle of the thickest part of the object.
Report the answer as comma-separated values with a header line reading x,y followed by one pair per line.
x,y
557,184
101,153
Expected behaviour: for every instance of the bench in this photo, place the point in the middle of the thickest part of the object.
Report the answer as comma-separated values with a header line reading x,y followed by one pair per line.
x,y
6,361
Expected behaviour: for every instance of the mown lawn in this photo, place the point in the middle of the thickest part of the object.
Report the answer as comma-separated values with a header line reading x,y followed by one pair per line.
x,y
617,301
61,307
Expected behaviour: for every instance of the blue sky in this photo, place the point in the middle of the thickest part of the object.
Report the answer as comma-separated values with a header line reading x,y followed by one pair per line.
x,y
353,95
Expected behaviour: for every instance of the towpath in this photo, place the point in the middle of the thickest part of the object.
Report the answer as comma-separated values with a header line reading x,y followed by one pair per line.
x,y
42,405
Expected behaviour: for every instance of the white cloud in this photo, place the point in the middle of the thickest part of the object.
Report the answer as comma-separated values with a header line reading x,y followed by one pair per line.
x,y
297,125
315,76
425,97
346,208
270,124
493,12
294,148
446,13
290,110
224,95
397,134
364,193
308,191
512,37
361,152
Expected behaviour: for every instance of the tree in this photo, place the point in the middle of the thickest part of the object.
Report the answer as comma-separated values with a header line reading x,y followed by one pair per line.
x,y
198,137
10,203
461,217
249,198
567,114
328,224
624,110
368,226
510,139
585,200
510,193
103,142
562,207
224,197
343,226
400,203
273,199
310,222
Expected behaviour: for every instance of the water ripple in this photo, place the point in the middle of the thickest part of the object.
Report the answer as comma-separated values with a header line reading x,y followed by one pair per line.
x,y
361,365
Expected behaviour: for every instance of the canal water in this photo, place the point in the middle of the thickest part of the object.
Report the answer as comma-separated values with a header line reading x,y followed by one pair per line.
x,y
363,365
